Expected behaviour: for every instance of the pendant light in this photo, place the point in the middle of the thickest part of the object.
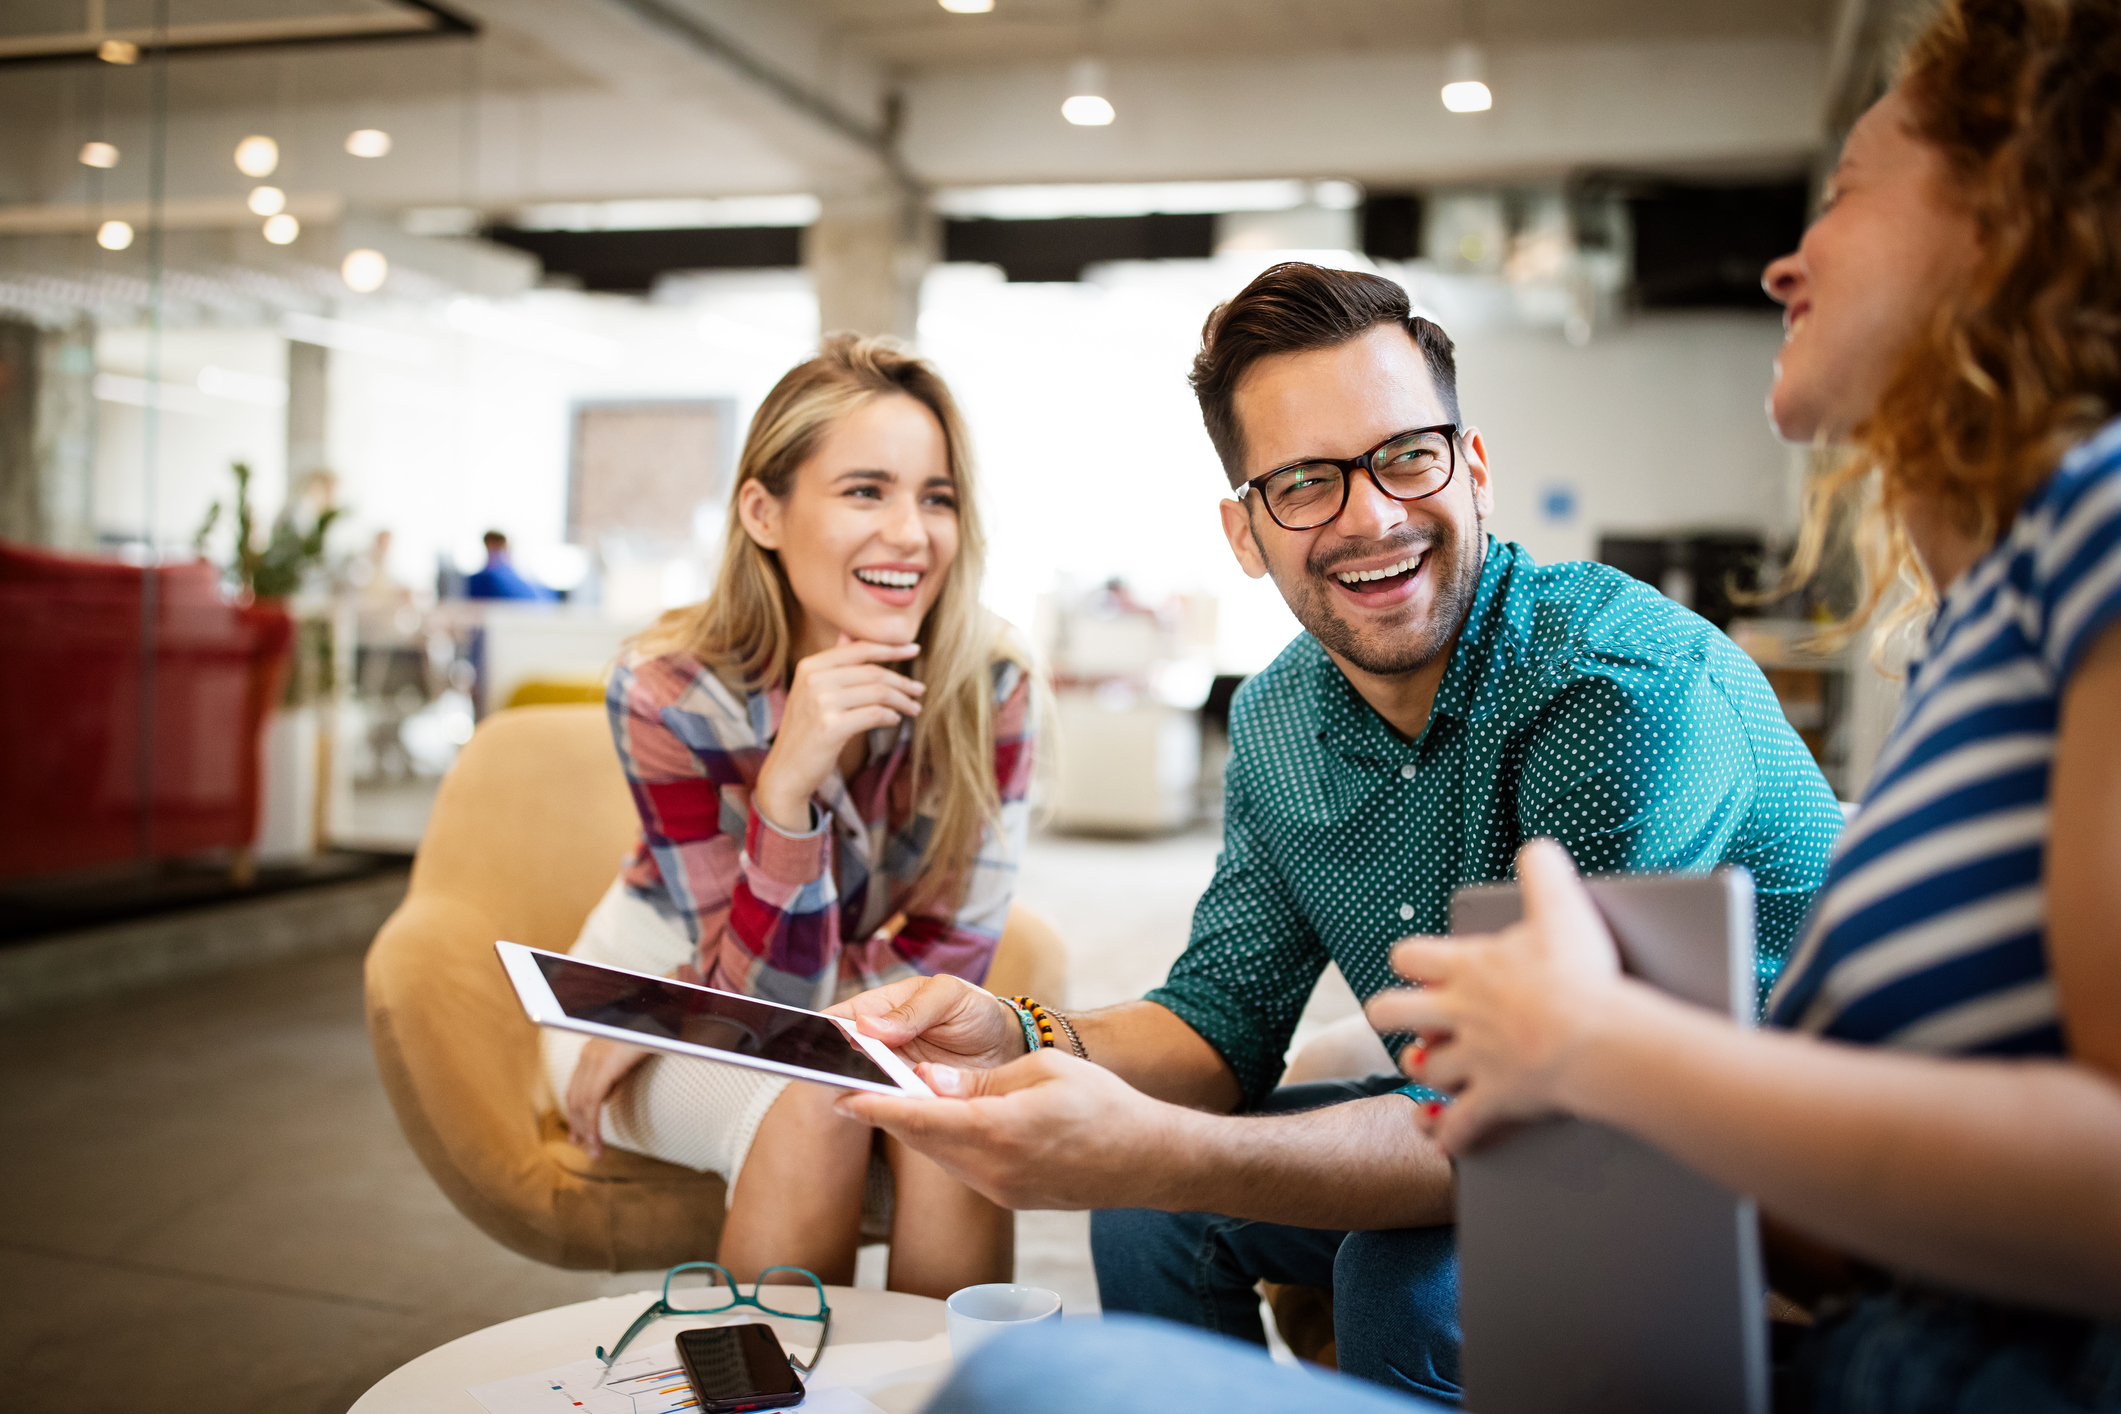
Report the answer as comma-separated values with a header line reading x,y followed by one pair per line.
x,y
1087,106
1465,88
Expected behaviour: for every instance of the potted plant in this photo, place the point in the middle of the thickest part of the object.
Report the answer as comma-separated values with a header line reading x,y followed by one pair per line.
x,y
267,577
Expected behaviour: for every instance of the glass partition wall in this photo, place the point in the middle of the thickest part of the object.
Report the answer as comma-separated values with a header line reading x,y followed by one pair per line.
x,y
197,661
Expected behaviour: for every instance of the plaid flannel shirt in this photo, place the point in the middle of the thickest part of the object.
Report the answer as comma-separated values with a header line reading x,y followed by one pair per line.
x,y
797,918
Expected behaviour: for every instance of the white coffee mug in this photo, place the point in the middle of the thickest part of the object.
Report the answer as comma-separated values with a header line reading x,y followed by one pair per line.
x,y
977,1314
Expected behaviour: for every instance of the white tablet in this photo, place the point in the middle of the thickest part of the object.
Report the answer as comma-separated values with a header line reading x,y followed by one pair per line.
x,y
686,1020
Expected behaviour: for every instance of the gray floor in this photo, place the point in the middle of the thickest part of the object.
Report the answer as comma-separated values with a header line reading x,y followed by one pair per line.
x,y
208,1204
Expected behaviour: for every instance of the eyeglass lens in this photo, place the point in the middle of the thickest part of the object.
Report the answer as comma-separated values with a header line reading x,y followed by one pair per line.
x,y
699,1291
1408,468
706,1290
801,1297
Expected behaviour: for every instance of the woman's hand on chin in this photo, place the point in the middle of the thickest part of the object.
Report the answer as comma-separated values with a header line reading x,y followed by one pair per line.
x,y
836,695
1502,1019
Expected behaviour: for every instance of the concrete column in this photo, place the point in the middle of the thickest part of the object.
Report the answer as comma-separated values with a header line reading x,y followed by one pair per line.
x,y
308,399
22,515
66,434
867,254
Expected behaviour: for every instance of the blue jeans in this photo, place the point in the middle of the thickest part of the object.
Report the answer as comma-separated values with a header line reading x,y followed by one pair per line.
x,y
1912,1352
1889,1354
1126,1365
1395,1293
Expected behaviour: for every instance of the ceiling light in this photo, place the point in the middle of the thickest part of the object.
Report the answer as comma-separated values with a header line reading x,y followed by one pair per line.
x,y
118,51
968,7
364,271
1465,88
268,201
114,235
1087,106
257,156
282,229
368,142
98,154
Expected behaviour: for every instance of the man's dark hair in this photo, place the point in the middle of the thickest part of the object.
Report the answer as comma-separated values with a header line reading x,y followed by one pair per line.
x,y
495,540
1292,308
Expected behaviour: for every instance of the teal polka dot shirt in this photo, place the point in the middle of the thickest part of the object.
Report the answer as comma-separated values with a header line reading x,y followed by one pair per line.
x,y
1579,704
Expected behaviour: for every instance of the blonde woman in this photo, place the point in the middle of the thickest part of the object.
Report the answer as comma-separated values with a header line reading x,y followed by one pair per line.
x,y
829,756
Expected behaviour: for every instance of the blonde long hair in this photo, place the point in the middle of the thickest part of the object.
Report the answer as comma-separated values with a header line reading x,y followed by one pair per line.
x,y
745,630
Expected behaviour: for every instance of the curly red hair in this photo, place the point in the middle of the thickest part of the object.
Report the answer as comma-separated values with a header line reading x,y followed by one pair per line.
x,y
2023,100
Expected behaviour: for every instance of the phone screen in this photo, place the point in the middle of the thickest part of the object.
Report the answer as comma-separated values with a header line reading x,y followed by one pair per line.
x,y
727,1363
705,1017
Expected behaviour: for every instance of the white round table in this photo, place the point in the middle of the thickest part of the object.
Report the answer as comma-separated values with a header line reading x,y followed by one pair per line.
x,y
887,1347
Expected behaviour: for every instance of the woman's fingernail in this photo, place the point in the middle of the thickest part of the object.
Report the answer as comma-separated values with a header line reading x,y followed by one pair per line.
x,y
1421,1054
1432,1108
944,1079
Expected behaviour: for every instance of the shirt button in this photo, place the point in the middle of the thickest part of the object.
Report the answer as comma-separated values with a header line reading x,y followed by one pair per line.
x,y
1406,772
1406,912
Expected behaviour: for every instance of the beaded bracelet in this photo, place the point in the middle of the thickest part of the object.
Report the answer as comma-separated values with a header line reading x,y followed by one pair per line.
x,y
1039,1015
1023,1017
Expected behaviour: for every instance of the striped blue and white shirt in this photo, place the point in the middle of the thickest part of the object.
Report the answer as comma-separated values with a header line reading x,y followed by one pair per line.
x,y
1930,932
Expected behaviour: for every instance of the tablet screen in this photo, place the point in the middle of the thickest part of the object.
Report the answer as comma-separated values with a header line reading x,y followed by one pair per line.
x,y
702,1017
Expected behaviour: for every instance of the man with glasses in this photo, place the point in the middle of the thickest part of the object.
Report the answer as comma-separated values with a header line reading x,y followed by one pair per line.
x,y
1449,700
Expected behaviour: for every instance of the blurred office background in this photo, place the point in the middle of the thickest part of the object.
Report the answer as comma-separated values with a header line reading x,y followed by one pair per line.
x,y
429,271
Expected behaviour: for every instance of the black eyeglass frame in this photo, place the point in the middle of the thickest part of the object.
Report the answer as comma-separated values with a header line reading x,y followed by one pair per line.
x,y
1350,467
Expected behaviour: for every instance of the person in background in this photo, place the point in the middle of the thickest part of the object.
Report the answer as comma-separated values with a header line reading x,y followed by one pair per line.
x,y
1450,699
1933,1119
830,757
500,579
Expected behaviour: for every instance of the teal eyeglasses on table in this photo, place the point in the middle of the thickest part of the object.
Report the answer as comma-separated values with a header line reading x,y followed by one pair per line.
x,y
791,1299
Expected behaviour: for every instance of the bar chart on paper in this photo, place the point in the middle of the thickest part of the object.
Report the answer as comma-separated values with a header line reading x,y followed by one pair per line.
x,y
645,1382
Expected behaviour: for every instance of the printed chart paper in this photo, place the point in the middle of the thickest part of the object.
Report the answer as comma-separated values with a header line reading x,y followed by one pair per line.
x,y
643,1382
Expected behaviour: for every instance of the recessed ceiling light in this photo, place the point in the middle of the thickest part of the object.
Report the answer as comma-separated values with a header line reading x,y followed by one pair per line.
x,y
368,142
282,229
257,156
364,271
268,201
114,235
98,154
967,7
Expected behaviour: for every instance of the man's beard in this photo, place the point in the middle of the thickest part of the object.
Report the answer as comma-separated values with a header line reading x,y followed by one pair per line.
x,y
1454,568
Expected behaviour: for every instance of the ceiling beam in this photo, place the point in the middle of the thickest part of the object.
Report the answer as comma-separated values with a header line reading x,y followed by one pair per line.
x,y
705,38
415,19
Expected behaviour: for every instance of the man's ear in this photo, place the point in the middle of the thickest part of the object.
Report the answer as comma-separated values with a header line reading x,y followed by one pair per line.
x,y
1237,528
760,514
1476,452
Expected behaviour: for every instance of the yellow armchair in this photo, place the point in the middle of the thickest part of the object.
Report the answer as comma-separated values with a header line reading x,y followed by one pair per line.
x,y
528,830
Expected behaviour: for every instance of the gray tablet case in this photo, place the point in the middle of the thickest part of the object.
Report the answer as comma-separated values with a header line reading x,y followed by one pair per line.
x,y
1597,1275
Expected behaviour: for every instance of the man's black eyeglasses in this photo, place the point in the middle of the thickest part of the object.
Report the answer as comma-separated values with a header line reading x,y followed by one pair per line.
x,y
1408,466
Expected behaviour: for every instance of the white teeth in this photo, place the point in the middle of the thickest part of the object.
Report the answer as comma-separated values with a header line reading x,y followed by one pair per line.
x,y
1363,576
889,579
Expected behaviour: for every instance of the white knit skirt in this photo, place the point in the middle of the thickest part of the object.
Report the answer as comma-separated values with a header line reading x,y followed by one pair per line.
x,y
702,1114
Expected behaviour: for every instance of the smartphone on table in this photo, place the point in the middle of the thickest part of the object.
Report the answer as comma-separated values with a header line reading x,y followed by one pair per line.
x,y
735,1368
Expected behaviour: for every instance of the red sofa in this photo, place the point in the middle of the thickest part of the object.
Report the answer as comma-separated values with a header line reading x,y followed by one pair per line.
x,y
73,703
